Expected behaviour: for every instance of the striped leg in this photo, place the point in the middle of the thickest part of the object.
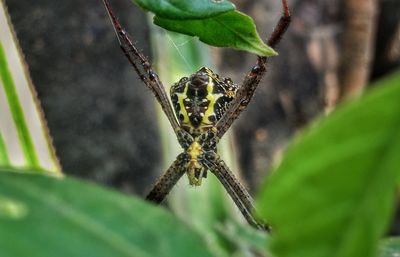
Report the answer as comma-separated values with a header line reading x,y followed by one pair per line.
x,y
252,80
168,180
143,68
235,189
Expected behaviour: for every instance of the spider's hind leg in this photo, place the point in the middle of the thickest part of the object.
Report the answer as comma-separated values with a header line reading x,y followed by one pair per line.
x,y
235,189
168,179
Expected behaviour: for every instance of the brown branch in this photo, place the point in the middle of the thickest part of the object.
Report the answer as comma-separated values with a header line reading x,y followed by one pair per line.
x,y
358,38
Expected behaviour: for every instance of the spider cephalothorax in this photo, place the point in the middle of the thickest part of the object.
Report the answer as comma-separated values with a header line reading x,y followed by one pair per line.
x,y
205,107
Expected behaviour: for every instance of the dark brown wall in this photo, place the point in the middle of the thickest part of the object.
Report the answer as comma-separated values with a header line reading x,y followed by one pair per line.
x,y
101,117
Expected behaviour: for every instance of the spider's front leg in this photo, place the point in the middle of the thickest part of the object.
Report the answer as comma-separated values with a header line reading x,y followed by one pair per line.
x,y
143,68
253,78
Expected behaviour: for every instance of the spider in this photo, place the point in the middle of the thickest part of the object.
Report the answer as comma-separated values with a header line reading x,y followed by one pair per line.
x,y
205,107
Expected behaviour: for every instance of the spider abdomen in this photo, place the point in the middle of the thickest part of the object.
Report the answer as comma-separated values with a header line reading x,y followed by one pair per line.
x,y
201,100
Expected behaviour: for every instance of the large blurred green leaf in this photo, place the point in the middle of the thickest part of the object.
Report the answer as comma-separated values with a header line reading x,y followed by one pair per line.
x,y
333,193
248,241
186,9
43,216
389,247
231,29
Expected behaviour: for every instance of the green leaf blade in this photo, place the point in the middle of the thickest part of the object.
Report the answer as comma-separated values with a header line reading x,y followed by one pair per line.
x,y
186,9
64,217
24,137
389,247
26,141
4,159
337,182
231,29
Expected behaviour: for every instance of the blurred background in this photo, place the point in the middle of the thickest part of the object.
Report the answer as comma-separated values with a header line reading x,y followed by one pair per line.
x,y
106,125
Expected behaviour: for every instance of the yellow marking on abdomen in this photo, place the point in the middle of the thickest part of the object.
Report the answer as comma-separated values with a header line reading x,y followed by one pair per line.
x,y
213,99
181,97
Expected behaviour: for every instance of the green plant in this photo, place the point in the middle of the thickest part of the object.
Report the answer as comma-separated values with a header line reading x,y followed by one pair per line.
x,y
337,181
24,141
230,28
332,195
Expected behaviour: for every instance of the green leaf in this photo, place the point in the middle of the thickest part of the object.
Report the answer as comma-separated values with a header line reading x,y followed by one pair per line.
x,y
333,193
24,138
17,112
186,9
246,238
44,216
4,159
231,29
389,247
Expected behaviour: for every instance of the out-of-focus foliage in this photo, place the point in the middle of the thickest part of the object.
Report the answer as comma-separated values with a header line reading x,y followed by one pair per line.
x,y
213,22
45,216
333,193
389,247
246,238
24,139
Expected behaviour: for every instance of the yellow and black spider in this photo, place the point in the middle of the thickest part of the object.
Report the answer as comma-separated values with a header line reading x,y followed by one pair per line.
x,y
205,107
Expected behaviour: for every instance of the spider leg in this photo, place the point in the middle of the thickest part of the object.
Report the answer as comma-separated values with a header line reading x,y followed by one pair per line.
x,y
252,79
145,71
168,179
281,27
235,189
